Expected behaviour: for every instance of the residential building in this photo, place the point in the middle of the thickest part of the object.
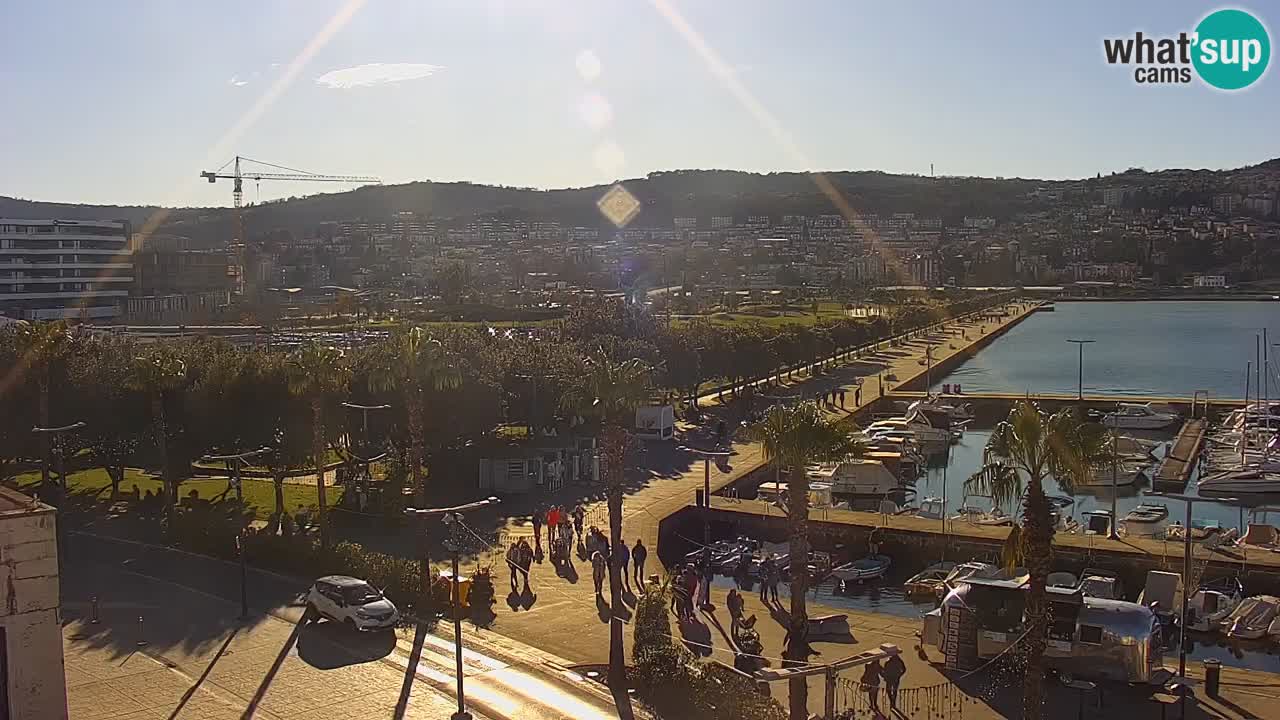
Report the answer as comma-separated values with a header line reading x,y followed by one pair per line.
x,y
32,678
74,269
1209,281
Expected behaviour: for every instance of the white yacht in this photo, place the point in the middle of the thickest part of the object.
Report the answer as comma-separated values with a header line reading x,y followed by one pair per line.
x,y
1132,416
1236,482
1147,519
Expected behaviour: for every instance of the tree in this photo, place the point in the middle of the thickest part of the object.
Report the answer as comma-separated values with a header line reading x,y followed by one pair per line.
x,y
318,374
1024,450
411,362
115,415
610,392
42,349
158,374
794,436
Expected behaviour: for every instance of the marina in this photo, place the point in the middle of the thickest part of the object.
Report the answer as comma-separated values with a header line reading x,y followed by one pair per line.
x,y
893,556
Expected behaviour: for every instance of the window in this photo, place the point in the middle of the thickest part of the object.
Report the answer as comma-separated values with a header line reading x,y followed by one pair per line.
x,y
1091,634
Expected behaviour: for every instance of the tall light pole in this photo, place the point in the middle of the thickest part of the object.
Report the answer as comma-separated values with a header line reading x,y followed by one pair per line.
x,y
56,433
706,456
1186,568
453,520
364,411
1080,381
234,462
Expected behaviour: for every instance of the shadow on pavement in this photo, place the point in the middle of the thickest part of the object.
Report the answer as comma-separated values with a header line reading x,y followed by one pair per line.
x,y
328,645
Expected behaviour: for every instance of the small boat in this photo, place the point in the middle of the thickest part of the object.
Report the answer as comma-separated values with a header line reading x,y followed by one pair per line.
x,y
825,626
1061,579
1243,481
931,508
1132,416
968,570
977,515
1146,520
1201,530
1096,522
1098,583
1124,474
871,567
930,581
1253,618
1213,603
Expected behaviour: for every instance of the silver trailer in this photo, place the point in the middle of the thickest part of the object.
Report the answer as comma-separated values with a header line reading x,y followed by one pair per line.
x,y
1094,638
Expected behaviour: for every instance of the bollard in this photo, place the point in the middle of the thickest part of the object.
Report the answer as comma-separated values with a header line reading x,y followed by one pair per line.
x,y
93,610
1212,677
142,638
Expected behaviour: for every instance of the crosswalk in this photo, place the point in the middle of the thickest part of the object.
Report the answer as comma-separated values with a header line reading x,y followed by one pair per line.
x,y
498,689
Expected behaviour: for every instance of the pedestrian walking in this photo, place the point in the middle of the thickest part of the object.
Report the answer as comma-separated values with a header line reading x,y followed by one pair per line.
x,y
842,399
622,558
553,517
735,605
537,528
893,671
857,396
766,569
526,561
871,684
513,563
707,574
775,575
579,516
639,554
597,570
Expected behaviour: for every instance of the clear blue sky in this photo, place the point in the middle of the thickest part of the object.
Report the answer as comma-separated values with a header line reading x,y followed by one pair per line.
x,y
126,102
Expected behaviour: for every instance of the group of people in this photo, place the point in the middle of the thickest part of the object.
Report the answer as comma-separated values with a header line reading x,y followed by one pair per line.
x,y
561,525
630,561
519,560
692,587
891,673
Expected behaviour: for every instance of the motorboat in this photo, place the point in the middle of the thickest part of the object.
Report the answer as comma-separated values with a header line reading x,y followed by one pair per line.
x,y
1147,519
1255,617
980,570
930,508
1123,474
862,482
978,515
1212,603
1127,446
1201,531
871,567
917,424
931,581
1061,579
1096,522
1100,584
1262,531
1163,594
1238,482
937,408
1133,416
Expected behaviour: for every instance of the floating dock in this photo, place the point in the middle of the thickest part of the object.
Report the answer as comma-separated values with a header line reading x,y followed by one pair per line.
x,y
1175,469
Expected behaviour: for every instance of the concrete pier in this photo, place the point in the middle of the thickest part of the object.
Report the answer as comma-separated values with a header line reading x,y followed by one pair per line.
x,y
1176,468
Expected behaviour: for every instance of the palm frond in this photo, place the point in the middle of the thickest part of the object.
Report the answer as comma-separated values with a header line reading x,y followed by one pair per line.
x,y
800,434
1011,555
999,480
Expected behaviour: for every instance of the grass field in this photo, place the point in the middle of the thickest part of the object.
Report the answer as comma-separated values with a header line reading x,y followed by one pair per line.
x,y
258,494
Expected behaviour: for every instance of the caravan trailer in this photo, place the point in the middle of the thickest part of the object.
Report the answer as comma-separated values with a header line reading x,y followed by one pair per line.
x,y
1089,637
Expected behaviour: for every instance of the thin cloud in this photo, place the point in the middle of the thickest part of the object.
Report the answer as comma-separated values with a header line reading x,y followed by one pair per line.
x,y
237,82
376,74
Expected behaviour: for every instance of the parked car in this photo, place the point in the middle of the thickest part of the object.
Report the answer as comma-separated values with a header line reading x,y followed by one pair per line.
x,y
352,602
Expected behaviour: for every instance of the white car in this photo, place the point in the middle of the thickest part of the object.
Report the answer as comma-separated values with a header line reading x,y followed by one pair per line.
x,y
352,602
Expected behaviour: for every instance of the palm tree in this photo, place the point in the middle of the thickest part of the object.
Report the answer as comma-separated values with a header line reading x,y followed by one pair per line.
x,y
412,362
794,436
1023,451
610,392
41,347
158,374
318,374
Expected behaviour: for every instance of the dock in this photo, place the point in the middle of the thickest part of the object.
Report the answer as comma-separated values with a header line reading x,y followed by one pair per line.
x,y
1176,468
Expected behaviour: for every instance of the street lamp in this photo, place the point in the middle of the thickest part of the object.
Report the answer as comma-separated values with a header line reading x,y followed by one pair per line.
x,y
234,462
1080,386
1186,567
56,433
706,456
453,520
364,411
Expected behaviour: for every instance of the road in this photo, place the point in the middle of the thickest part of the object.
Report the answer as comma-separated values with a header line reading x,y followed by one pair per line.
x,y
200,661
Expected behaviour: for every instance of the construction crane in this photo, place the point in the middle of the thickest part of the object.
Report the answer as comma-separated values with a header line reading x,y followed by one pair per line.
x,y
237,176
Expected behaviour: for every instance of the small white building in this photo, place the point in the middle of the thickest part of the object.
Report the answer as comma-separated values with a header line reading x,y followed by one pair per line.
x,y
1209,281
31,669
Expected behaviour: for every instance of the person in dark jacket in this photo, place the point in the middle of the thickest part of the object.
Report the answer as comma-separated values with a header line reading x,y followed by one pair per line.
x,y
893,671
639,554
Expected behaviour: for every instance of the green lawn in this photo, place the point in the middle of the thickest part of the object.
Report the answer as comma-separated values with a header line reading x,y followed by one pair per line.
x,y
258,494
775,316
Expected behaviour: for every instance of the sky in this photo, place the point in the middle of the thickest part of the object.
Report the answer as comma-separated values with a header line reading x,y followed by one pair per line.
x,y
126,102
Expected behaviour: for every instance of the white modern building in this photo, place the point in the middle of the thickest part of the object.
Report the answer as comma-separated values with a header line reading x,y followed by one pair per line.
x,y
73,269
32,677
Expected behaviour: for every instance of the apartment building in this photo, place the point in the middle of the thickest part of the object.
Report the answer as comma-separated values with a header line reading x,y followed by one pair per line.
x,y
73,269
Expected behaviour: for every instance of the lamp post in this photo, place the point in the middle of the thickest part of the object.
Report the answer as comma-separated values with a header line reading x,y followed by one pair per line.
x,y
706,456
364,411
234,462
61,458
1186,568
1080,380
453,520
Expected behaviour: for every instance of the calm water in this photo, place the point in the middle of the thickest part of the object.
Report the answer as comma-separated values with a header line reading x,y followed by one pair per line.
x,y
1142,348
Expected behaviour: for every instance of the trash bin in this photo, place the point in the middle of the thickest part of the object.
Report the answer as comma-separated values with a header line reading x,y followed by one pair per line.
x,y
1212,676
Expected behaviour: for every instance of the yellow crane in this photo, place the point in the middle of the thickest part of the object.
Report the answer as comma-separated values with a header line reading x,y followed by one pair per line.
x,y
238,176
